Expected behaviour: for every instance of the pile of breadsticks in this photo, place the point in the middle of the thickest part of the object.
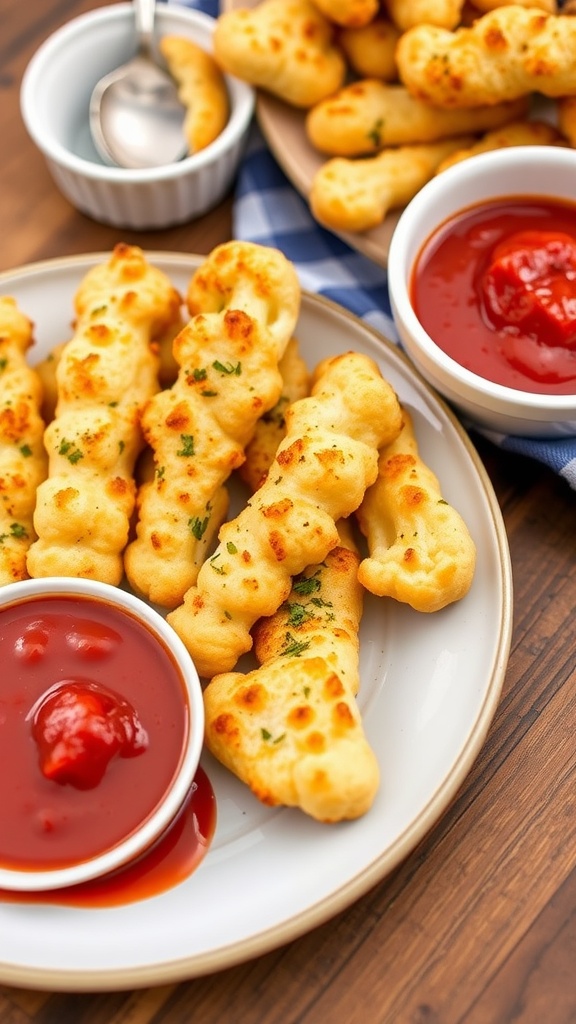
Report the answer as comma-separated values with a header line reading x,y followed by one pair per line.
x,y
394,92
115,457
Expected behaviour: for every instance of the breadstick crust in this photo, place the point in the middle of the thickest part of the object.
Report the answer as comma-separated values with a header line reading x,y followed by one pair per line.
x,y
321,615
293,734
291,730
201,88
420,549
286,47
320,473
518,133
105,374
349,13
356,195
228,358
407,13
371,49
367,116
23,461
507,53
271,427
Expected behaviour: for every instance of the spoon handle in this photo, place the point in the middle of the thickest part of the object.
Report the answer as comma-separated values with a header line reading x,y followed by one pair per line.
x,y
144,15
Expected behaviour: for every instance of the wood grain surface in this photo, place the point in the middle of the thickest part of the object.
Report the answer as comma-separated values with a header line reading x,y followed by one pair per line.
x,y
479,923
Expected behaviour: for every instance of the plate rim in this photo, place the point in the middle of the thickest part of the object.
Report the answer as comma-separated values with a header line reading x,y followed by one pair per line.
x,y
188,967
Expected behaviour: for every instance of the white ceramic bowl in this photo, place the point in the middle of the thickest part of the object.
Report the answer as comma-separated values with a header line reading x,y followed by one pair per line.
x,y
55,96
160,811
530,171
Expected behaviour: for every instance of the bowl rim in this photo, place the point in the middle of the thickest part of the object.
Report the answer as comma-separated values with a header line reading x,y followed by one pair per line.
x,y
32,880
242,101
406,237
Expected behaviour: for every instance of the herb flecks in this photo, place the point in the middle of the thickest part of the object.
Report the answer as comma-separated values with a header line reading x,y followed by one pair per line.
x,y
298,614
307,585
70,451
17,532
187,442
199,526
229,369
293,648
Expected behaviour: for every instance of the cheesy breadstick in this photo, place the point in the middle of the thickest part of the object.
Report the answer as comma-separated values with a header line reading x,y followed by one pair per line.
x,y
420,549
320,473
368,116
23,463
291,729
356,195
507,53
287,47
228,377
105,374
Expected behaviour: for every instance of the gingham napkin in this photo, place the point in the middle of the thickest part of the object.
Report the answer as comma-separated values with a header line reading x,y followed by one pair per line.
x,y
268,210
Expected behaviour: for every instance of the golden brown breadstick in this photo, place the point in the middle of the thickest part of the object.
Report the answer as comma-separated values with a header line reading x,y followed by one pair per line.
x,y
371,49
421,551
228,377
369,115
352,13
271,427
320,473
517,133
201,88
284,46
355,195
291,729
105,374
509,52
23,462
407,13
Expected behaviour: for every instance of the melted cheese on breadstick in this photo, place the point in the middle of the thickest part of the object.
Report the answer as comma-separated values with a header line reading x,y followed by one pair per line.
x,y
228,357
291,729
23,463
320,473
105,374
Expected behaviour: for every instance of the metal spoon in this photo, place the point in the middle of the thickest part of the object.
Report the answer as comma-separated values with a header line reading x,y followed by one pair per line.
x,y
136,118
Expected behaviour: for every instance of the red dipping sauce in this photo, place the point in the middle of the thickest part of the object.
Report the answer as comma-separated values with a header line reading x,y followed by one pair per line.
x,y
495,288
93,721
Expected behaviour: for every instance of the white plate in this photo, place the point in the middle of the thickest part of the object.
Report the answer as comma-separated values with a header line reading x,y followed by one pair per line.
x,y
430,687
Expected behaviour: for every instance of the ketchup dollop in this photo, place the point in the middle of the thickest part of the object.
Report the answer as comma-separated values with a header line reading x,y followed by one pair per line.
x,y
495,287
79,726
530,284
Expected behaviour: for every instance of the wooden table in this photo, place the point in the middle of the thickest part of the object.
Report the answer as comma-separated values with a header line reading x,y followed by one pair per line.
x,y
479,923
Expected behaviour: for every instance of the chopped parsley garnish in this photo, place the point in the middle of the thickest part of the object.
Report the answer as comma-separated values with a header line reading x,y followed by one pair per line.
x,y
228,368
187,448
298,614
294,648
307,585
198,526
70,451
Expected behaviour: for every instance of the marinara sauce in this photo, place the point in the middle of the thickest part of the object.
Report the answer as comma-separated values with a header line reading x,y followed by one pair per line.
x,y
93,719
495,288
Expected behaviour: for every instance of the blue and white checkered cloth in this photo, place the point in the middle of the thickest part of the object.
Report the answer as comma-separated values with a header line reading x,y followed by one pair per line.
x,y
268,210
